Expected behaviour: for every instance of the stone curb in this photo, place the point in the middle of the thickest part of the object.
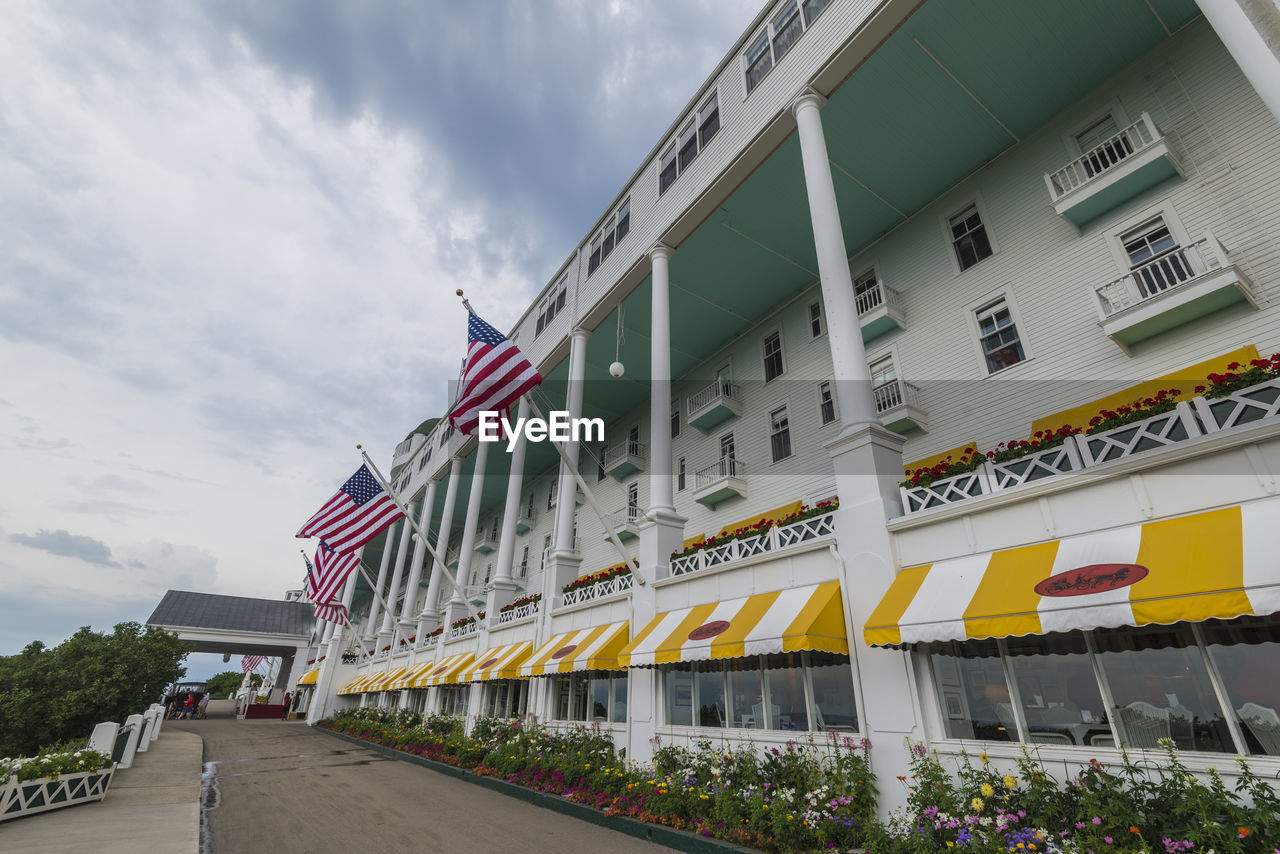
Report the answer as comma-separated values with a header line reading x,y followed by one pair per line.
x,y
681,840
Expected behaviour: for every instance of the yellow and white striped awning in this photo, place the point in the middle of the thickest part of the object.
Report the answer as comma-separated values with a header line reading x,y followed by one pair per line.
x,y
310,677
447,670
1221,564
353,687
406,679
783,621
500,663
382,681
586,649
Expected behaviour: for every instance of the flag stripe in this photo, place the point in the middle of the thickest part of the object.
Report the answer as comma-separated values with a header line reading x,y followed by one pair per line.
x,y
494,375
359,511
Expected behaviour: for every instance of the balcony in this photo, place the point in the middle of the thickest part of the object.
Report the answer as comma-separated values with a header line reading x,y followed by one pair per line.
x,y
1134,160
486,540
625,522
714,405
1177,287
898,405
600,590
878,311
520,612
776,539
625,459
524,524
721,482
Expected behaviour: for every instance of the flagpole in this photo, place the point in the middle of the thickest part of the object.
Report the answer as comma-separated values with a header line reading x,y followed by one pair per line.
x,y
421,534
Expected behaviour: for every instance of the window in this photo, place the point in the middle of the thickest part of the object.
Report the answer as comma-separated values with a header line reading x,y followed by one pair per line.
x,y
506,698
812,9
426,458
675,418
969,237
1103,146
604,452
727,449
551,494
866,292
680,475
815,319
772,357
1154,258
759,61
449,430
551,304
779,434
633,440
615,228
780,34
524,562
633,501
488,573
786,30
998,336
593,695
528,513
826,403
693,137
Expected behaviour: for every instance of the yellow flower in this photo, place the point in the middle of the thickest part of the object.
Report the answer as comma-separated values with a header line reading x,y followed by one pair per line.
x,y
976,803
983,756
987,790
1010,782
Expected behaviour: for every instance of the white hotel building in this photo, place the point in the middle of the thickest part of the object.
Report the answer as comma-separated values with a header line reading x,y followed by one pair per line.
x,y
880,232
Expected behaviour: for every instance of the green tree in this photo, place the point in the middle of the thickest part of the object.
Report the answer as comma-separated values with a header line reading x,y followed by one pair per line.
x,y
221,684
53,695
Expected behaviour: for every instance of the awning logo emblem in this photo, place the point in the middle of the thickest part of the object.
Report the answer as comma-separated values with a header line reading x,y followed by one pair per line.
x,y
1095,578
486,665
564,650
708,630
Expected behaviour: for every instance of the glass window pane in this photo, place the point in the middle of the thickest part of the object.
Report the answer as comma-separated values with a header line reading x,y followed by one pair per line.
x,y
618,714
745,695
972,690
561,688
581,698
784,687
599,699
834,705
1246,653
1060,697
679,696
1161,689
710,694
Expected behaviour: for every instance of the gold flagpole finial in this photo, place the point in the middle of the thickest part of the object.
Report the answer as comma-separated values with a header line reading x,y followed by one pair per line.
x,y
359,447
466,303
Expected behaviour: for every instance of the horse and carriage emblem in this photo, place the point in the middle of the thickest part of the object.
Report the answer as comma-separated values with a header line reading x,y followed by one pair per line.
x,y
1095,578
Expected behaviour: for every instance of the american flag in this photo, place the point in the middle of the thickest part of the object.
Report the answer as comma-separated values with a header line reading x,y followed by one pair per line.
x,y
359,511
331,571
333,612
494,375
251,663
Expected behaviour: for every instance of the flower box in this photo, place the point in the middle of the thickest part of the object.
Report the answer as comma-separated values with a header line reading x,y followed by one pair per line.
x,y
26,797
946,491
1156,431
1244,406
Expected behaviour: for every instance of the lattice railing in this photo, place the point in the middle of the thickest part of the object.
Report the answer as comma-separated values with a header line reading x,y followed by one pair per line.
x,y
775,539
520,613
1158,431
946,491
1041,464
600,590
463,631
1243,407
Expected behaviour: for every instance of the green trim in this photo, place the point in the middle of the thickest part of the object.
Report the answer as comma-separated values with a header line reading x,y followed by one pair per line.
x,y
680,840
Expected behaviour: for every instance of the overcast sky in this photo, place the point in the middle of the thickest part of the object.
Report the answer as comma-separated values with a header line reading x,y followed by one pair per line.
x,y
229,239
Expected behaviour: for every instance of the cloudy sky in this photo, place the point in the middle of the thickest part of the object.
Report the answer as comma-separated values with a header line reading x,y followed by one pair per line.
x,y
229,240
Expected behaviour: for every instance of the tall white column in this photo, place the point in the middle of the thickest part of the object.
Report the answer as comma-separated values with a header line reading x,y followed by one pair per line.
x,y
408,611
504,585
430,616
568,488
326,684
393,589
844,334
1247,47
466,549
372,626
661,484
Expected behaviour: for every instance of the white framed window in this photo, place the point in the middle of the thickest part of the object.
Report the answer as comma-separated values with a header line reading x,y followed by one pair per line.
x,y
524,562
817,324
552,303
728,449
784,29
826,403
773,366
616,227
886,391
681,476
551,493
759,61
779,434
695,133
999,341
969,240
675,418
867,293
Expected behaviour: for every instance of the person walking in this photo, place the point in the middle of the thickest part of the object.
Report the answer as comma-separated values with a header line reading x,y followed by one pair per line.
x,y
288,700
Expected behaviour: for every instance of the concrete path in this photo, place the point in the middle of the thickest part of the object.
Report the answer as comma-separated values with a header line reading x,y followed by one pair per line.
x,y
282,787
153,807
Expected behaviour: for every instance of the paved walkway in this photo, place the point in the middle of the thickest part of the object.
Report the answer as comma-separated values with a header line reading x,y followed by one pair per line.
x,y
283,787
153,807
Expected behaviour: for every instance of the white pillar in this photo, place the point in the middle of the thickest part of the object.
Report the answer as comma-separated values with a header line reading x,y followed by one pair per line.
x,y
375,604
1247,47
431,611
568,489
503,584
408,612
393,589
467,546
661,491
844,334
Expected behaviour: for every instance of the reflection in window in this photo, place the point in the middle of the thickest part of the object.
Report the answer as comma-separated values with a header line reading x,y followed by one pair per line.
x,y
745,692
1246,653
833,703
784,681
679,695
618,708
710,693
1161,689
1060,699
971,686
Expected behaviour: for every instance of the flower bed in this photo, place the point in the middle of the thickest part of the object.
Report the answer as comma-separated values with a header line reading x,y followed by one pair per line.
x,y
818,794
763,526
595,578
521,602
466,621
52,780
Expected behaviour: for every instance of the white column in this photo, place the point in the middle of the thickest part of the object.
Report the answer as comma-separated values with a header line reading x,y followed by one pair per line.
x,y
386,633
661,491
568,488
431,611
844,334
408,614
372,626
1247,47
467,547
503,584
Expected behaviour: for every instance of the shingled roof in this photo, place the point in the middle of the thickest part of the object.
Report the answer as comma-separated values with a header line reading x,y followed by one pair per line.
x,y
183,608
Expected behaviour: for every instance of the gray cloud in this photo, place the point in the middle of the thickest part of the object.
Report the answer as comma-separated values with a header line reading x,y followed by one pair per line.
x,y
160,565
66,544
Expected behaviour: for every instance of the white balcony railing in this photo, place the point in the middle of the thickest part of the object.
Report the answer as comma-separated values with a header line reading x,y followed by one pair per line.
x,y
1162,274
519,613
1099,160
614,586
725,467
894,394
426,642
626,520
622,453
463,631
776,539
876,295
718,389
